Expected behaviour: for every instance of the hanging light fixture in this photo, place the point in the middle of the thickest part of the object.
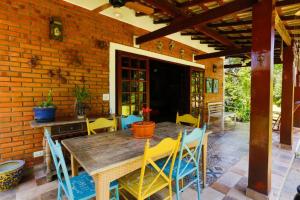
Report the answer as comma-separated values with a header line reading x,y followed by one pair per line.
x,y
297,13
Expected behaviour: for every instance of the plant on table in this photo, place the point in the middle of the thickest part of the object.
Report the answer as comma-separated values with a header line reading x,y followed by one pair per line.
x,y
45,112
144,129
81,94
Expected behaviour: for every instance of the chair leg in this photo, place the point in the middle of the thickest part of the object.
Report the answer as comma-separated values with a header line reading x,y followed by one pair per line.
x,y
59,192
170,191
117,194
177,189
198,184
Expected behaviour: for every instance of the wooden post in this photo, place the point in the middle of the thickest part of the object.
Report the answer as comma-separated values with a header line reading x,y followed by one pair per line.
x,y
260,145
287,98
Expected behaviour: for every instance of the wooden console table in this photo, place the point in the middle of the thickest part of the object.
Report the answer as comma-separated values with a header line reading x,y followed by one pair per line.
x,y
60,128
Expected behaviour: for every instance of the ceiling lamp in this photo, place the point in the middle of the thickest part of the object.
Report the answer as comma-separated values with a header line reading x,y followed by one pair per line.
x,y
297,13
117,3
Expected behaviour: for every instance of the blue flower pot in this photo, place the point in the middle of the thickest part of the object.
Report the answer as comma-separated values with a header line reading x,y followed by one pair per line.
x,y
44,114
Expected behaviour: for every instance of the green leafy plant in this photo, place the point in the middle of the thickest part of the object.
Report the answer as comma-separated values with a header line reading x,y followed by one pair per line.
x,y
238,87
81,94
48,102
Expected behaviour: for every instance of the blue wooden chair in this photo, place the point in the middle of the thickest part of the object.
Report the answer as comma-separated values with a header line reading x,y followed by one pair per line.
x,y
79,187
187,162
126,121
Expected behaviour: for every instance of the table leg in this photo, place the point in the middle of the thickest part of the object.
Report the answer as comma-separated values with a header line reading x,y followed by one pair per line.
x,y
47,155
102,187
204,160
74,166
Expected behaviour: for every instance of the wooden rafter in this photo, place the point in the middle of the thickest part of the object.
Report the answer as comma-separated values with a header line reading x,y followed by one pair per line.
x,y
215,35
166,7
102,7
287,3
193,3
283,32
236,66
172,10
199,19
226,24
229,52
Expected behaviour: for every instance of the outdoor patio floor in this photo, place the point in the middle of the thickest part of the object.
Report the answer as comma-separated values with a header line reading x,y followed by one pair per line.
x,y
227,171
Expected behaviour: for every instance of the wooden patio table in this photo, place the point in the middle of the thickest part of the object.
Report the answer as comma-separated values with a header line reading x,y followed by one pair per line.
x,y
111,155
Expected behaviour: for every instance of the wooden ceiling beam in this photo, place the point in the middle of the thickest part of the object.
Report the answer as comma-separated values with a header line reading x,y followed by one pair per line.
x,y
226,24
172,10
163,21
199,19
248,22
216,36
287,3
236,66
236,31
166,7
102,7
292,27
283,32
228,52
289,18
191,3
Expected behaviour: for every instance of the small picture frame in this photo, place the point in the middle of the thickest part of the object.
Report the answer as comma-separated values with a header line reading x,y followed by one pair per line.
x,y
215,86
209,85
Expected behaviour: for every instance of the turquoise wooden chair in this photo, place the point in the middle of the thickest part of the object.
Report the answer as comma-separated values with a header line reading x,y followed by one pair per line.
x,y
79,187
126,121
187,162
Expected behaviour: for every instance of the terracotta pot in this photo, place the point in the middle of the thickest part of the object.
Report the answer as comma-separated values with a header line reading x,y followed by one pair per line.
x,y
143,129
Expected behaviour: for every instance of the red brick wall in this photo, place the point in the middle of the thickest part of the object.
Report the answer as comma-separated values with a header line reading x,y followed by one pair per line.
x,y
24,32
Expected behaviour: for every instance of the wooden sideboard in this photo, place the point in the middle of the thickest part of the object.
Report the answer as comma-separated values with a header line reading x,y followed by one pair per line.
x,y
60,129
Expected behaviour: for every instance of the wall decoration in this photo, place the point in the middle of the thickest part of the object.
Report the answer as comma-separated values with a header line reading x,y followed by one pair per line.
x,y
75,59
59,75
214,68
171,45
181,53
215,85
33,61
56,29
159,45
101,44
209,85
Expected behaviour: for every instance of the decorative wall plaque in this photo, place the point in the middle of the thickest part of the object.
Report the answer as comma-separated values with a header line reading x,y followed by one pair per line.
x,y
56,29
159,45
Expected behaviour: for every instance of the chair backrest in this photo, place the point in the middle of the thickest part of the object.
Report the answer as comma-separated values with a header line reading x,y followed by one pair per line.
x,y
192,154
189,119
215,107
60,166
125,121
168,148
101,123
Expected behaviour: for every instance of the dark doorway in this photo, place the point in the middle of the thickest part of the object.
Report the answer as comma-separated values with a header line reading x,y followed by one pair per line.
x,y
169,90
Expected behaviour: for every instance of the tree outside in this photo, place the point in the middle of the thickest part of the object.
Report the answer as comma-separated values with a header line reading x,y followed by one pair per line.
x,y
237,91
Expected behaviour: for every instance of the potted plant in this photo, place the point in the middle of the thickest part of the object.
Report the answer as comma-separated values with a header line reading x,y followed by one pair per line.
x,y
144,129
45,112
81,95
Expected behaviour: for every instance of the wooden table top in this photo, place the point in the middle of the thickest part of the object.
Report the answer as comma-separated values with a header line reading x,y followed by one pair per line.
x,y
100,152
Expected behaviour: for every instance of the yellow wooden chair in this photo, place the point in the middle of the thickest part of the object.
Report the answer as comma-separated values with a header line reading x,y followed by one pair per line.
x,y
101,123
189,119
151,178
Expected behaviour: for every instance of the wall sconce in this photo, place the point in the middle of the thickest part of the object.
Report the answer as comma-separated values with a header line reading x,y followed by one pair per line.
x,y
214,68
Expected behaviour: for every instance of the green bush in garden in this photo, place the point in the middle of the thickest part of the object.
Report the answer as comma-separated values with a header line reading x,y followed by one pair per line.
x,y
237,91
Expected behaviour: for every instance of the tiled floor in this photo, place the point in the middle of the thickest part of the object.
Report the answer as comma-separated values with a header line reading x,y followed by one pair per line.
x,y
227,171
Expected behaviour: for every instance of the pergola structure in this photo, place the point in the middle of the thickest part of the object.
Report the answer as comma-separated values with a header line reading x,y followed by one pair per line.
x,y
248,29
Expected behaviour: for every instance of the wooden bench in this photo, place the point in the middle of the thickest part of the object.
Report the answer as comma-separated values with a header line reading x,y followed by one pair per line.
x,y
216,110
